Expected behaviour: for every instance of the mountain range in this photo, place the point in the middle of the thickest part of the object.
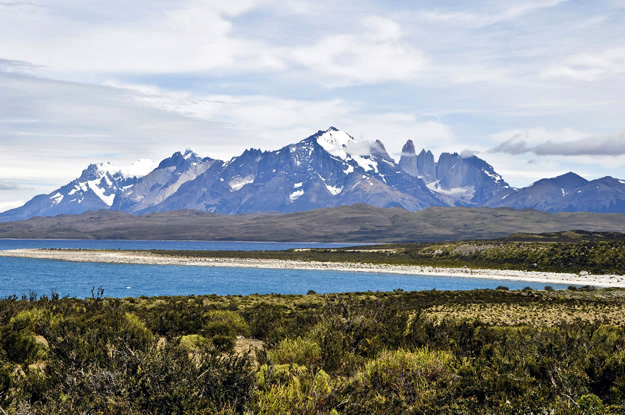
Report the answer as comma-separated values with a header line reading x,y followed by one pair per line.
x,y
327,169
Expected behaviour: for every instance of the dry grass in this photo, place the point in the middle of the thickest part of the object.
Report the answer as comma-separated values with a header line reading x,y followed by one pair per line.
x,y
536,314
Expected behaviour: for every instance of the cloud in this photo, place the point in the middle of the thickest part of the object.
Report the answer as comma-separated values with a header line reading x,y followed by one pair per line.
x,y
272,122
8,65
465,154
50,130
376,54
30,6
610,145
515,145
589,66
511,11
4,185
200,37
188,37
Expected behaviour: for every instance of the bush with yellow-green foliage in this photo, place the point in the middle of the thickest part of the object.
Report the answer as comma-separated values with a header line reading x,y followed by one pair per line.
x,y
292,389
222,327
300,351
403,381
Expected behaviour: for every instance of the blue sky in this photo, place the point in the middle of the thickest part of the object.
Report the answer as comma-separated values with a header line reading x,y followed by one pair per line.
x,y
534,87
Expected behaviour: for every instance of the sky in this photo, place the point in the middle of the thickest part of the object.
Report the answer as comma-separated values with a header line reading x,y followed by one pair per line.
x,y
534,87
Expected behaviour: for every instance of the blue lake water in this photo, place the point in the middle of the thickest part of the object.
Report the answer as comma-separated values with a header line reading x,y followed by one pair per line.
x,y
172,245
21,275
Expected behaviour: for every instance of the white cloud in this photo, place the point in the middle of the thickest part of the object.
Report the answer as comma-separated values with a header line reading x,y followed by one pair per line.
x,y
377,54
562,143
272,122
538,135
589,66
4,185
490,15
191,36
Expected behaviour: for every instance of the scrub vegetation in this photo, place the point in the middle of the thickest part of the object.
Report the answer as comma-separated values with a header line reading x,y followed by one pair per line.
x,y
428,352
572,251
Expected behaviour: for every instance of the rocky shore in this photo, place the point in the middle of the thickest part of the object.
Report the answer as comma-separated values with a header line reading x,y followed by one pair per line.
x,y
148,258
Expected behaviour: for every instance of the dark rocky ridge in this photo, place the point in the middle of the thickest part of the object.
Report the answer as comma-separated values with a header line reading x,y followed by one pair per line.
x,y
357,223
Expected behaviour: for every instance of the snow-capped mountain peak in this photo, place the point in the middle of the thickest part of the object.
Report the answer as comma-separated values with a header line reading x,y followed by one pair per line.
x,y
188,153
336,142
104,180
138,168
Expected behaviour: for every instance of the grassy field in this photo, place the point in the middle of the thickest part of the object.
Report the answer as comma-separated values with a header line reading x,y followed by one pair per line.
x,y
429,352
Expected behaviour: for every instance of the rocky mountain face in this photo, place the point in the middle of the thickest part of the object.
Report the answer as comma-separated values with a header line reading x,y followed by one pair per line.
x,y
458,180
95,189
162,182
327,169
568,193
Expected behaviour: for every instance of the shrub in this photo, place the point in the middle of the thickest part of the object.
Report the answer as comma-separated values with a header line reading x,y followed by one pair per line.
x,y
292,389
224,322
195,343
590,405
300,351
222,343
402,381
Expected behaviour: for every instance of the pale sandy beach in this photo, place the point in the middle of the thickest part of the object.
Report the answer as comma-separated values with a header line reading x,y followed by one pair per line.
x,y
147,258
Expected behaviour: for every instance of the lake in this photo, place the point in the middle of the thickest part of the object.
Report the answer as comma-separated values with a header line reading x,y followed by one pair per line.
x,y
20,276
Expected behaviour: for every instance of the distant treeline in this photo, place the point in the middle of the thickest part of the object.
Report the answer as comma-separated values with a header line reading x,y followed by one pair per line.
x,y
455,352
597,253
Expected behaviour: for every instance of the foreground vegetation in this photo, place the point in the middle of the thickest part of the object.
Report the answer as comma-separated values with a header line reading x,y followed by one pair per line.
x,y
572,251
457,352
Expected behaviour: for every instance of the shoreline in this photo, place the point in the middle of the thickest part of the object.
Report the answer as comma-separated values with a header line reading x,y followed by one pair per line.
x,y
148,258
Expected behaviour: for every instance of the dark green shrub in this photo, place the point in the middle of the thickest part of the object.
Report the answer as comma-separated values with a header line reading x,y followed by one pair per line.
x,y
223,343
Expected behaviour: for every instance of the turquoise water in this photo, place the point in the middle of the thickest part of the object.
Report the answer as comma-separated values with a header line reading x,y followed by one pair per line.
x,y
172,245
20,276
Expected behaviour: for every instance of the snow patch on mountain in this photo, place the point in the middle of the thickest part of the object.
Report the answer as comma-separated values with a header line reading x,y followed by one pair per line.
x,y
495,176
188,153
343,146
238,182
56,198
334,190
366,163
467,191
335,142
139,168
296,195
101,192
455,195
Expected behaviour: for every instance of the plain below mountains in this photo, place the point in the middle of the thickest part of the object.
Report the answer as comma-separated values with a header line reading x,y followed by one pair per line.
x,y
358,223
327,169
